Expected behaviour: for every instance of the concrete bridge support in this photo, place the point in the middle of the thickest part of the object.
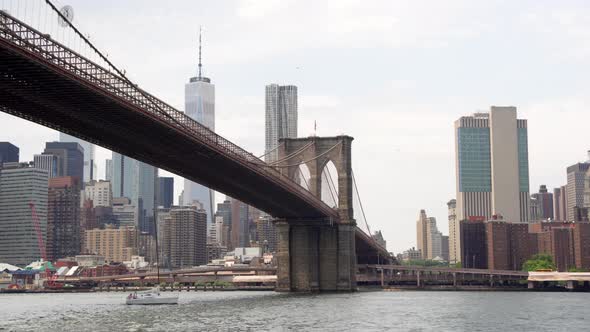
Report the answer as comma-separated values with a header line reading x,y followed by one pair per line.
x,y
318,255
316,258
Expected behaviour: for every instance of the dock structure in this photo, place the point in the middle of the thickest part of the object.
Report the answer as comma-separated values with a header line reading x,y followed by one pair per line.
x,y
572,280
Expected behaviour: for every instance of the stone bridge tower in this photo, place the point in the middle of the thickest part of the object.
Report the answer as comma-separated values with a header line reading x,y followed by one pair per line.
x,y
312,255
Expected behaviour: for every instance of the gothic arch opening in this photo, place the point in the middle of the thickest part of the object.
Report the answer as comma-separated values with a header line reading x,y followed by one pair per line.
x,y
303,176
330,184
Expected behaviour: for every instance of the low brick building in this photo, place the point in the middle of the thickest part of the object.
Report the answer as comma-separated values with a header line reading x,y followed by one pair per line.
x,y
104,270
582,245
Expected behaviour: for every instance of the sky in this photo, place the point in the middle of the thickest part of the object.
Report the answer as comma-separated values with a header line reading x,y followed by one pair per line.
x,y
395,75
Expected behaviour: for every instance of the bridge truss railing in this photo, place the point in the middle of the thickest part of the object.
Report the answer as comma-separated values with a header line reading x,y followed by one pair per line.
x,y
74,64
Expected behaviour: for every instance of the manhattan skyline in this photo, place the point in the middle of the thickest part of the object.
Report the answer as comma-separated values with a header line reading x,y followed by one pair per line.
x,y
401,84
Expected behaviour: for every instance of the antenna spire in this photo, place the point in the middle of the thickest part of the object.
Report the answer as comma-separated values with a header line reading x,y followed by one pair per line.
x,y
200,64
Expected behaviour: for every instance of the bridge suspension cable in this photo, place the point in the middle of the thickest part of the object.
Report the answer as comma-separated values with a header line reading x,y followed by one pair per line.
x,y
305,161
298,151
330,183
303,177
271,151
361,206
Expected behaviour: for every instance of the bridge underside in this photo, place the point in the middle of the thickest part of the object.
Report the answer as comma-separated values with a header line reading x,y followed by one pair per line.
x,y
370,252
33,89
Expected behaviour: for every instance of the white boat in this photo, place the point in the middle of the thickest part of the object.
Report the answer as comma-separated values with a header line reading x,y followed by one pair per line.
x,y
151,296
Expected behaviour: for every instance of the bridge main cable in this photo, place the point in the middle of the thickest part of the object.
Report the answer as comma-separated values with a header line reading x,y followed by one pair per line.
x,y
305,161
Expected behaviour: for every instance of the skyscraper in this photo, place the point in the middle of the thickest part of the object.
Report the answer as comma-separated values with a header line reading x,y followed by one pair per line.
x,y
240,228
536,211
184,238
136,180
99,192
560,203
492,165
165,192
22,190
281,117
108,170
267,234
115,244
199,97
545,202
444,247
434,237
429,239
124,212
575,188
586,204
48,162
70,158
421,233
63,218
9,153
454,233
224,213
89,158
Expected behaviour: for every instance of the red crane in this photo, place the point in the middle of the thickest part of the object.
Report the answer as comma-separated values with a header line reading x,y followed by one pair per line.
x,y
51,278
37,226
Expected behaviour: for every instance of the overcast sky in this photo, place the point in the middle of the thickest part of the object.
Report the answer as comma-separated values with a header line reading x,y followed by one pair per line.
x,y
392,74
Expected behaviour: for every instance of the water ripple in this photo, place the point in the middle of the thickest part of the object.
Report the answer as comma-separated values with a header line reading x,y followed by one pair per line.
x,y
268,311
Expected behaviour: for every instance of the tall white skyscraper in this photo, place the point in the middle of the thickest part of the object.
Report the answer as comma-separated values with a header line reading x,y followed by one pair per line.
x,y
89,157
281,117
199,97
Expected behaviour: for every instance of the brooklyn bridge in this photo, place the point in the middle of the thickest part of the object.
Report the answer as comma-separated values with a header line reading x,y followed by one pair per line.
x,y
71,86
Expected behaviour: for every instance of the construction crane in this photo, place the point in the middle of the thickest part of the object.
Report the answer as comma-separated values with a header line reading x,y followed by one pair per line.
x,y
37,225
51,278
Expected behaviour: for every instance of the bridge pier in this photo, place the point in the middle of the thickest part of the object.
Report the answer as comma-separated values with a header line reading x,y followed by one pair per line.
x,y
283,257
318,254
315,258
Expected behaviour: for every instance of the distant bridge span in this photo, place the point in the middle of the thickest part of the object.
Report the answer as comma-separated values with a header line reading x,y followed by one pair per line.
x,y
236,270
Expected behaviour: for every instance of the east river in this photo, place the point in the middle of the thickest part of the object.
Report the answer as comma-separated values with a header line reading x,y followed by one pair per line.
x,y
269,311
